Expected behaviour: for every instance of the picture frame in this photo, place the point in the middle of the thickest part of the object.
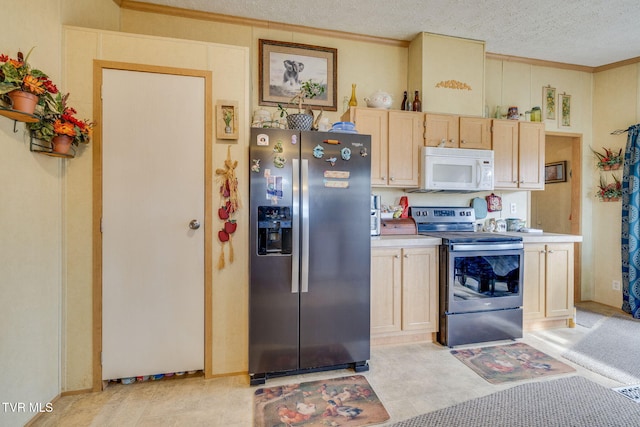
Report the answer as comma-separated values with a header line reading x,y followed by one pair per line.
x,y
282,66
226,119
555,172
564,102
549,102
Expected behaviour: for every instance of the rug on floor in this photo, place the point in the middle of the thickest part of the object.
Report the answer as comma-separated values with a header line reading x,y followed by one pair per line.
x,y
345,401
630,391
611,349
574,401
511,362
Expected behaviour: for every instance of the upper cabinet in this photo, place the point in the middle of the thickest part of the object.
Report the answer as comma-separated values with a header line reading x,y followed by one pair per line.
x,y
457,132
396,138
518,149
448,72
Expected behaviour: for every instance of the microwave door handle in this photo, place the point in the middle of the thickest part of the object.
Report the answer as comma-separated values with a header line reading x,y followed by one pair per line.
x,y
478,173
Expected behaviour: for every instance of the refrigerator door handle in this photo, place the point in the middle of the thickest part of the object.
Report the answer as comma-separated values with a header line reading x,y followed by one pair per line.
x,y
295,226
304,182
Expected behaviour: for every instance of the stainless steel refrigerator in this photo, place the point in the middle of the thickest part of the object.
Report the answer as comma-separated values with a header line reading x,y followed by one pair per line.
x,y
309,298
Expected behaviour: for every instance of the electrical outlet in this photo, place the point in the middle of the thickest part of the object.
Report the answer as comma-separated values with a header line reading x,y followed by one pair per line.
x,y
513,208
615,284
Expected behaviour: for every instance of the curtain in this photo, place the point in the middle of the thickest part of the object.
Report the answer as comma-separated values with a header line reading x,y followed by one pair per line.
x,y
631,224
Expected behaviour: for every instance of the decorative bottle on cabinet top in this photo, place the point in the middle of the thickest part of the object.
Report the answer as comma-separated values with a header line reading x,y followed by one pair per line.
x,y
353,102
405,100
417,104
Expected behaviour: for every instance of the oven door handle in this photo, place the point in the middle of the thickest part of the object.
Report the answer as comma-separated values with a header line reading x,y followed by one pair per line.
x,y
466,247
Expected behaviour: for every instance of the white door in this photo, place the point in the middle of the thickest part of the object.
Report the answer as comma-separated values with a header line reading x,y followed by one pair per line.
x,y
153,187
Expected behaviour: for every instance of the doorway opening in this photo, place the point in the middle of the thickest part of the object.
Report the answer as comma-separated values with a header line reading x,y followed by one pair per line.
x,y
557,209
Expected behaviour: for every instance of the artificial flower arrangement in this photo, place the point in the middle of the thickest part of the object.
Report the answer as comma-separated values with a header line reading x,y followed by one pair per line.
x,y
609,192
608,160
17,74
56,118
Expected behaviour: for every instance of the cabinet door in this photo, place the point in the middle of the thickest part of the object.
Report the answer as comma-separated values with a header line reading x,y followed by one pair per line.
x,y
533,288
531,156
406,136
374,122
441,127
505,153
559,290
386,297
419,289
475,132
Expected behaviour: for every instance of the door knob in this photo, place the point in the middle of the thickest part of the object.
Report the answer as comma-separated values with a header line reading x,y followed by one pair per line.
x,y
194,224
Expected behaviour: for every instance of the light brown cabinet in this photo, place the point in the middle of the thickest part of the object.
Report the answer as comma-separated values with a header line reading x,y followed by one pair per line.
x,y
396,138
404,299
518,149
548,281
457,131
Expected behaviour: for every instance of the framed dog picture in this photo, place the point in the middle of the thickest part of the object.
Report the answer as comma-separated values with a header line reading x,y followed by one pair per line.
x,y
283,67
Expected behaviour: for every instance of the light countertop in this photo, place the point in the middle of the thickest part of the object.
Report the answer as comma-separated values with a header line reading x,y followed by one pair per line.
x,y
409,240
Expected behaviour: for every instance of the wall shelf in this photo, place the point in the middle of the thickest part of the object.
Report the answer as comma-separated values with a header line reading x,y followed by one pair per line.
x,y
18,116
43,147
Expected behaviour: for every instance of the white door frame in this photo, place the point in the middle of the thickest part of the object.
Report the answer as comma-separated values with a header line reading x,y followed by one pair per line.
x,y
98,67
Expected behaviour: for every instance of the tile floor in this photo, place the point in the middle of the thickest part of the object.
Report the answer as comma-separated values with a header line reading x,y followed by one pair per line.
x,y
410,380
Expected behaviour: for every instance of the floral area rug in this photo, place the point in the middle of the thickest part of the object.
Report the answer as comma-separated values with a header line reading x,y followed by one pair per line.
x,y
513,362
345,401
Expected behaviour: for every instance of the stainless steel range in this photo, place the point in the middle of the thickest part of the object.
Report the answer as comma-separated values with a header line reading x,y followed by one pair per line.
x,y
480,277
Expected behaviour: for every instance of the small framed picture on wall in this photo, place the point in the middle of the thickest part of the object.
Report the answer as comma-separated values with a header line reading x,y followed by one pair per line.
x,y
564,101
227,119
549,102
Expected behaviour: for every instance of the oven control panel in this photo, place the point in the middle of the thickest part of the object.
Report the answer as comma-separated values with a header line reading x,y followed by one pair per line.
x,y
442,214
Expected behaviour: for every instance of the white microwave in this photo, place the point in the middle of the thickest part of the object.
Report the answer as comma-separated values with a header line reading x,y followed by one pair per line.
x,y
456,169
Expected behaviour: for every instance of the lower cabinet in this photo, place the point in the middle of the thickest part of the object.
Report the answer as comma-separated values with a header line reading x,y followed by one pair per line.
x,y
548,282
404,299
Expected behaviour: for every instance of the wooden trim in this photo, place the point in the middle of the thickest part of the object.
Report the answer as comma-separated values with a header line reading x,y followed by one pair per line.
x,y
539,62
208,227
97,218
576,214
98,67
260,23
629,61
74,392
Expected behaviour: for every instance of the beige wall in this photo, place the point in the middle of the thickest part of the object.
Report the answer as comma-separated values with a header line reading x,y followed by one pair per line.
x,y
33,217
230,68
615,106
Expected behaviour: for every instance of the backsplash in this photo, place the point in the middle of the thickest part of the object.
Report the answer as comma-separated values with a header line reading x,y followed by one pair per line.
x,y
521,199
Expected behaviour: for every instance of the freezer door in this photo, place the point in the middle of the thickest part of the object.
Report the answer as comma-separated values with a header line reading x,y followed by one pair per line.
x,y
335,247
273,294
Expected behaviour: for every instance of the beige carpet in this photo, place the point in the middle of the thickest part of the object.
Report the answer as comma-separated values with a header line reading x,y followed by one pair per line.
x,y
573,401
611,348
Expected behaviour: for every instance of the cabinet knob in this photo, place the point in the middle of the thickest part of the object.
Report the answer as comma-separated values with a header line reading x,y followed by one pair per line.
x,y
396,256
391,178
453,141
522,181
550,251
383,178
462,141
406,256
543,251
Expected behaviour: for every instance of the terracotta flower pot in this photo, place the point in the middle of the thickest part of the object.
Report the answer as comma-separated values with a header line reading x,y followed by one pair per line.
x,y
23,101
61,144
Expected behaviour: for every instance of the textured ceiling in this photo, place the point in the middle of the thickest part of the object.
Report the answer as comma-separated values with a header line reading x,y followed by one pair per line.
x,y
581,32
